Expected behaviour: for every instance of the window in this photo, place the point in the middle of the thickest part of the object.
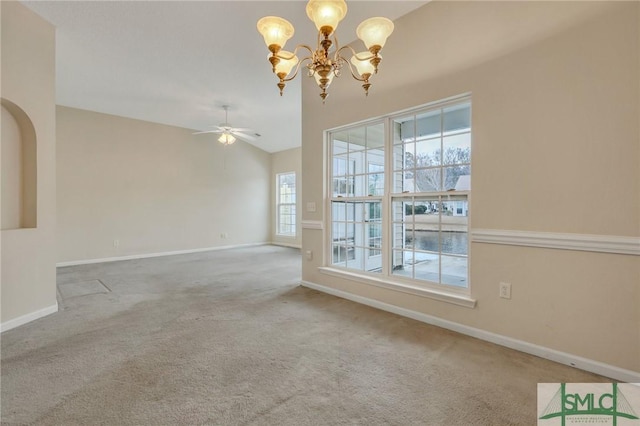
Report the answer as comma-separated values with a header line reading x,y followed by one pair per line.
x,y
286,204
400,193
357,186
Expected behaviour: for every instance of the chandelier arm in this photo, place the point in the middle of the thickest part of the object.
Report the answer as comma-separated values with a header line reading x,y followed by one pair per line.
x,y
338,49
354,53
297,69
293,54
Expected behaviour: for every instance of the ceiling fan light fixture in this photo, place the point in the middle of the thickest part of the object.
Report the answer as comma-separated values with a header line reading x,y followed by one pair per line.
x,y
226,139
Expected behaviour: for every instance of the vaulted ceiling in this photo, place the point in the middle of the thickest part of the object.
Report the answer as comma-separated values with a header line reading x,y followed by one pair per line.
x,y
178,62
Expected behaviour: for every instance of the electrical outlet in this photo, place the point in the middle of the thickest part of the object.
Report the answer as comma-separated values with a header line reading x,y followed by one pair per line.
x,y
116,243
309,255
505,290
224,235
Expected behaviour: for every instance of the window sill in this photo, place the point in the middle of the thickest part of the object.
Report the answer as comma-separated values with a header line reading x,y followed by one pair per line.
x,y
456,299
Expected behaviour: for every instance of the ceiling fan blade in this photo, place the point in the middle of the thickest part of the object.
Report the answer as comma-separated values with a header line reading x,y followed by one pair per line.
x,y
241,129
208,131
244,136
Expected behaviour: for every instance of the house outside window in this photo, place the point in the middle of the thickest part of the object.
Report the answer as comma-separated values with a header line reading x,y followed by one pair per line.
x,y
399,200
286,204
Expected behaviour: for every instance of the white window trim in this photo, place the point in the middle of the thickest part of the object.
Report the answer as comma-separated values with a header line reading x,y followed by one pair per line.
x,y
383,282
435,291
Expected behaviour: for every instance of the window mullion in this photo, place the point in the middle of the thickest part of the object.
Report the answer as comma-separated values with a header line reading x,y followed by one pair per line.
x,y
387,219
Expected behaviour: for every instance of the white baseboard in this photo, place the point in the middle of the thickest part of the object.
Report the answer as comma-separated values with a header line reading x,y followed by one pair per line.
x,y
23,319
519,345
147,255
281,244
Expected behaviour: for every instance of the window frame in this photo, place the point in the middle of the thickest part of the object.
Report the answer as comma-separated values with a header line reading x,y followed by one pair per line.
x,y
385,277
292,205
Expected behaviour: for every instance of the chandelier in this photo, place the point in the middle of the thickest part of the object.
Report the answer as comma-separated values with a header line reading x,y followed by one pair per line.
x,y
326,61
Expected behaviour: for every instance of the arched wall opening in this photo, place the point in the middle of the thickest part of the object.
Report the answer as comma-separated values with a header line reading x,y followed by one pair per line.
x,y
19,168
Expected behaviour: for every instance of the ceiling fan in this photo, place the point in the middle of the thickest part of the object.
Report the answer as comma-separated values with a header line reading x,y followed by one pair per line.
x,y
229,133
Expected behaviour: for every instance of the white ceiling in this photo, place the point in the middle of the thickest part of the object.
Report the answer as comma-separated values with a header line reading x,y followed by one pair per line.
x,y
178,62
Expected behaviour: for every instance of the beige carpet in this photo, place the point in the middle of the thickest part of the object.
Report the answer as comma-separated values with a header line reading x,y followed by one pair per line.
x,y
229,338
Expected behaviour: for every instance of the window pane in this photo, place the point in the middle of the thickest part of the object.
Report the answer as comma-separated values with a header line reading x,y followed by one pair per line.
x,y
456,178
427,266
339,166
374,211
340,139
360,185
457,117
455,225
376,167
339,254
399,183
286,220
375,238
402,262
351,212
397,131
400,208
428,153
350,250
454,242
357,139
428,124
398,157
457,149
355,258
398,236
428,180
454,271
409,156
339,232
350,233
404,129
376,184
375,136
427,240
338,211
351,165
343,186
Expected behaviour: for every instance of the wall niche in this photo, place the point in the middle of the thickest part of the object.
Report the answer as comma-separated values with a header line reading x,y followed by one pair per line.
x,y
19,167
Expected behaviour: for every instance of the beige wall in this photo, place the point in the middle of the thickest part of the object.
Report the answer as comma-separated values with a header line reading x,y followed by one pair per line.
x,y
154,188
283,162
556,148
28,287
